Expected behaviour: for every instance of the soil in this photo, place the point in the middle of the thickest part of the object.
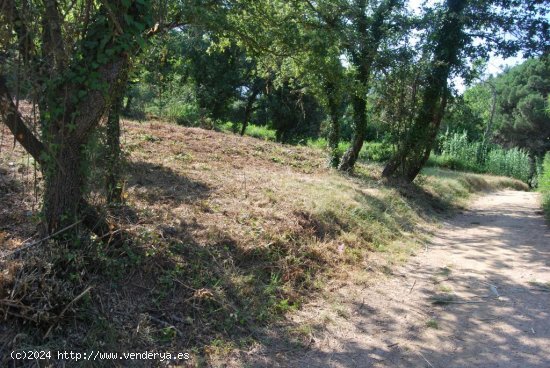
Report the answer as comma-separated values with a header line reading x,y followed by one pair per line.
x,y
478,295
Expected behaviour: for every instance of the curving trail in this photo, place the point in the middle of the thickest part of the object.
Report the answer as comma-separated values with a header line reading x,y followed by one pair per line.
x,y
478,297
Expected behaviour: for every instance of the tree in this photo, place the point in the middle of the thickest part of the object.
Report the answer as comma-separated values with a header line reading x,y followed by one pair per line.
x,y
216,74
73,60
369,26
453,39
113,164
419,139
297,54
254,90
305,40
521,119
316,64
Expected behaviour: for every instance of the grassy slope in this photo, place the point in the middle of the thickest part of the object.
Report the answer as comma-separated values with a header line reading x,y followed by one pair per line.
x,y
231,234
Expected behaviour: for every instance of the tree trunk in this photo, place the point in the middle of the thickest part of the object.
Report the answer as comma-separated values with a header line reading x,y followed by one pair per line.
x,y
249,107
419,140
371,31
91,218
74,98
334,133
113,169
334,140
63,190
489,127
128,105
360,118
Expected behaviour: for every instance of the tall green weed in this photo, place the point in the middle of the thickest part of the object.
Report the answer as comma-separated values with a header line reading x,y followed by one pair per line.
x,y
544,184
458,153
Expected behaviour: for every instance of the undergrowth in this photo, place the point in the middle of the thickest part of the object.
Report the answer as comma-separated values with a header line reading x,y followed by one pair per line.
x,y
458,153
544,184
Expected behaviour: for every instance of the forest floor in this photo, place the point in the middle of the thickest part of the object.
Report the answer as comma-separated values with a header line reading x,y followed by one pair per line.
x,y
478,296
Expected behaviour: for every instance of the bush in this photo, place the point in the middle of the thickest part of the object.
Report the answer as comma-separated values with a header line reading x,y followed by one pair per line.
x,y
463,154
183,114
371,151
261,132
320,143
458,153
514,162
544,184
448,162
256,131
376,151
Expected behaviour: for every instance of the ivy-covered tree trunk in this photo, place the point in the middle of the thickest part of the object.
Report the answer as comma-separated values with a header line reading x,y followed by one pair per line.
x,y
249,108
370,32
420,138
90,216
113,169
334,133
63,189
359,131
113,159
76,90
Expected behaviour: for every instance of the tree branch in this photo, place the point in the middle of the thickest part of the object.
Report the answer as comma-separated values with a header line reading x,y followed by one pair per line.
x,y
12,118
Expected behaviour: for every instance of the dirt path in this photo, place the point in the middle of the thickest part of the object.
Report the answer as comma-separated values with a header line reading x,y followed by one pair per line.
x,y
490,269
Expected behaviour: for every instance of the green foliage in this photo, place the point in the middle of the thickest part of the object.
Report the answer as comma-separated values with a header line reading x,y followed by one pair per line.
x,y
464,115
544,184
261,132
371,151
458,153
257,131
521,117
292,112
461,154
513,162
376,151
320,143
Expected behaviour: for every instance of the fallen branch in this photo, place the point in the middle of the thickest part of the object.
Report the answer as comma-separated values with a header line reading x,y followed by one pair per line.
x,y
427,361
411,289
25,247
80,296
166,324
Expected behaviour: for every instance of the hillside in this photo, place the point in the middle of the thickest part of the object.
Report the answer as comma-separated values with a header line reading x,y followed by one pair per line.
x,y
230,234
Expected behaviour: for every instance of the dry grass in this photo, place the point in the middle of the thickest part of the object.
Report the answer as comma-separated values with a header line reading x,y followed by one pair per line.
x,y
230,233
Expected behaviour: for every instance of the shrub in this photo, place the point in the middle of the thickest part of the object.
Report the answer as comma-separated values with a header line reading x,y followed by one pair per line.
x,y
447,162
320,143
513,162
544,184
182,113
458,153
463,154
261,132
376,151
371,151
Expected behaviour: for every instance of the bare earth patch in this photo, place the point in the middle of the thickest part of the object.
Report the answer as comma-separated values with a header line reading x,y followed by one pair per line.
x,y
478,296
